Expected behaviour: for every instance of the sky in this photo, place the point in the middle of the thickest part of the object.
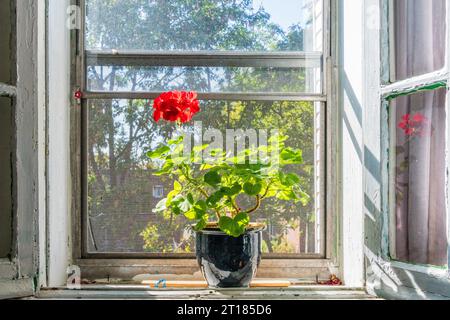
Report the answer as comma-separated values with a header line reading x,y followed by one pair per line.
x,y
283,12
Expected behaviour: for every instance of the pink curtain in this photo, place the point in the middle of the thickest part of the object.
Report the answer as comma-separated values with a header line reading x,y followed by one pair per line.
x,y
420,178
419,36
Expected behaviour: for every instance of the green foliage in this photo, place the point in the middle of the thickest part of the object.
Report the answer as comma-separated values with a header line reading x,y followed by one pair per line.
x,y
200,195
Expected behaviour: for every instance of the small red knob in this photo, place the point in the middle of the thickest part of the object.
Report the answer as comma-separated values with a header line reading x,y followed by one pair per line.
x,y
78,94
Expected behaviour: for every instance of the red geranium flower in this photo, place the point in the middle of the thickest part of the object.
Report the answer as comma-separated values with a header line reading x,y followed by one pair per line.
x,y
176,106
414,126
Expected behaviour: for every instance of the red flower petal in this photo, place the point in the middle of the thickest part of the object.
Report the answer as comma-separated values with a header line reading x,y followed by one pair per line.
x,y
157,115
409,131
403,125
418,118
176,106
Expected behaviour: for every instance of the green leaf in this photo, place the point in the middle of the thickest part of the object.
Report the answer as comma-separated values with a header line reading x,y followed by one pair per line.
x,y
293,178
304,197
289,179
227,225
176,141
234,227
234,190
201,205
191,214
252,189
158,152
171,195
286,195
214,199
177,186
190,198
179,205
201,224
291,156
200,209
212,178
198,149
185,205
175,209
242,219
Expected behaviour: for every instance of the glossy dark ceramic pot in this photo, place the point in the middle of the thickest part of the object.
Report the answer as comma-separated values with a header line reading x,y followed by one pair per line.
x,y
228,262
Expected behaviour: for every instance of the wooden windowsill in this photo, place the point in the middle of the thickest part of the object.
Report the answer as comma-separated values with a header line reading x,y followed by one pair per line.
x,y
308,292
137,270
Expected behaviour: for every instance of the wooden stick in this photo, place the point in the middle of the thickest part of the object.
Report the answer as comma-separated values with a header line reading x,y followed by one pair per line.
x,y
202,284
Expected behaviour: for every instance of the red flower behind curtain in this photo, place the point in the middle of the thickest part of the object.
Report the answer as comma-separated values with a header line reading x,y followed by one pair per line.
x,y
414,125
176,106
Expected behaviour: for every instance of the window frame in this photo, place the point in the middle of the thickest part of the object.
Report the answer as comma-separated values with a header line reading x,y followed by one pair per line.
x,y
390,89
93,263
20,272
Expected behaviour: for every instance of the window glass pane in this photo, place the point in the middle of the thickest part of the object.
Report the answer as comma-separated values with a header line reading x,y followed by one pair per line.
x,y
420,171
205,79
123,191
5,177
247,25
420,28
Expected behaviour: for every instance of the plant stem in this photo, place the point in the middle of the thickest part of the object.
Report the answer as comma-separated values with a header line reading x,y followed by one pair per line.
x,y
236,208
267,189
202,191
256,207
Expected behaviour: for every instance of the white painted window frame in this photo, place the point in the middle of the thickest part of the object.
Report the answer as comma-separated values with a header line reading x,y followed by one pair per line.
x,y
279,59
320,267
386,277
59,249
58,246
391,87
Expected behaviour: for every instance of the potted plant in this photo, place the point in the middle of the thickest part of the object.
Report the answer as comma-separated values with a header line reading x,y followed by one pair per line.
x,y
211,186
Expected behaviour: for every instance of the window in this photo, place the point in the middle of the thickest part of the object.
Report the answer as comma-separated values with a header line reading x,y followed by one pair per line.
x,y
255,64
158,192
418,110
